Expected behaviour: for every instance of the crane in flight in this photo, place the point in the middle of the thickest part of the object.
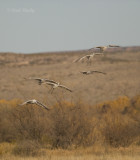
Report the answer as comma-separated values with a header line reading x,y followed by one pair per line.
x,y
34,101
103,48
56,85
88,57
42,80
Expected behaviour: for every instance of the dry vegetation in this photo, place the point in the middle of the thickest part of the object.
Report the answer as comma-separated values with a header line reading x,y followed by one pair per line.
x,y
100,120
81,129
122,77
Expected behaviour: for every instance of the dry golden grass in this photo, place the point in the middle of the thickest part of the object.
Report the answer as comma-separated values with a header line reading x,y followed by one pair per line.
x,y
94,153
85,157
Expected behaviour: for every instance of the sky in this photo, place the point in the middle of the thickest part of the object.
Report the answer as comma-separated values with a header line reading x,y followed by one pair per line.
x,y
29,26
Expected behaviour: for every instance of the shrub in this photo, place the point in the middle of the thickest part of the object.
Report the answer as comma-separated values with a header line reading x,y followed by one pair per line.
x,y
7,132
30,122
71,125
119,131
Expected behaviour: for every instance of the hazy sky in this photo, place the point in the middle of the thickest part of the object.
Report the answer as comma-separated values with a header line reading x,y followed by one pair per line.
x,y
58,25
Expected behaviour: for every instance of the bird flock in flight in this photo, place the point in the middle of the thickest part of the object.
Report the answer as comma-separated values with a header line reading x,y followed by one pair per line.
x,y
55,84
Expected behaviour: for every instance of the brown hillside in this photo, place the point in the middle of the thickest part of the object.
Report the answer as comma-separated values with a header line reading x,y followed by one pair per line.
x,y
122,78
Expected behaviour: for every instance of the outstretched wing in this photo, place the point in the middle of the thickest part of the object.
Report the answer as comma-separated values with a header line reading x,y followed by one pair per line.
x,y
37,79
65,88
43,80
79,59
113,46
99,47
26,102
51,81
42,105
97,72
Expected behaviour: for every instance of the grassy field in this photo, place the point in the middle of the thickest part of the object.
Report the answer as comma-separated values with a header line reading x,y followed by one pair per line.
x,y
83,157
81,154
91,153
98,120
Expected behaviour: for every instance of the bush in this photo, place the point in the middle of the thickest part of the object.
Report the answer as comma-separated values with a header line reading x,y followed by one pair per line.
x,y
71,125
7,132
30,122
119,131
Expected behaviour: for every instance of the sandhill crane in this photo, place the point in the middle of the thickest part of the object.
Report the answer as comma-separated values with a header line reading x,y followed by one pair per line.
x,y
55,85
90,72
113,45
103,48
34,101
87,56
42,80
